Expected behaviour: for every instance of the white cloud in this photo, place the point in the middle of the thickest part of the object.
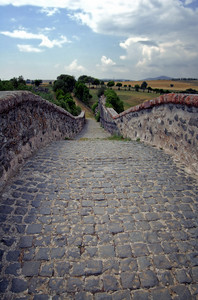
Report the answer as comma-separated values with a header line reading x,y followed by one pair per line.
x,y
175,58
151,17
109,68
48,29
50,44
28,48
107,61
145,26
49,11
74,68
45,41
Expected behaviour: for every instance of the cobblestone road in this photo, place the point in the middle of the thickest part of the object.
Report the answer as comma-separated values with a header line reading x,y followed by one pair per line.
x,y
99,219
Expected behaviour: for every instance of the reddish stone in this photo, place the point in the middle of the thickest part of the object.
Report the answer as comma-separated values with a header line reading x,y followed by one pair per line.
x,y
147,104
188,100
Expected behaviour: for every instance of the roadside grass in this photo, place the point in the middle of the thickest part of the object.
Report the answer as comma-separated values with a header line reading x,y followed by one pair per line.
x,y
88,111
94,93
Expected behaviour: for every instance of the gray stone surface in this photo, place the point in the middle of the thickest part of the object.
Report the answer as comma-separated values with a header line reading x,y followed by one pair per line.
x,y
101,220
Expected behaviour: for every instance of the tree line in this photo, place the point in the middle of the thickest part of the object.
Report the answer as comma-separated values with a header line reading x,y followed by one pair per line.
x,y
65,87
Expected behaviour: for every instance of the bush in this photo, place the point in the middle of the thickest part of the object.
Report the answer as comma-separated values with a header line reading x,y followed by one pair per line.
x,y
112,100
98,117
94,106
66,101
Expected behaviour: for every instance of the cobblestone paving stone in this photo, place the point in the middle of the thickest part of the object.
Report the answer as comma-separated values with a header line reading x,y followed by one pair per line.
x,y
99,219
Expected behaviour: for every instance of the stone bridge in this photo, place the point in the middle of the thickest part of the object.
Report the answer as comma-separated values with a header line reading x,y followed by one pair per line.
x,y
95,218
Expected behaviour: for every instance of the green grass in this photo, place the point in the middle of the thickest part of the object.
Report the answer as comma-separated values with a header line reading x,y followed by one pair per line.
x,y
130,98
116,137
94,99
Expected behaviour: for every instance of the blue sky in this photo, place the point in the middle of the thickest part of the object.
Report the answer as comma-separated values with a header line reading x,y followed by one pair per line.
x,y
131,39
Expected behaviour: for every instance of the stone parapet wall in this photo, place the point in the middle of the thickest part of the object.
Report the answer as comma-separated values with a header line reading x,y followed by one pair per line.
x,y
169,122
28,122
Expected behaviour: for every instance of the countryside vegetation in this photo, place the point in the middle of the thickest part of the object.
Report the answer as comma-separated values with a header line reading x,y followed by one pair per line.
x,y
82,94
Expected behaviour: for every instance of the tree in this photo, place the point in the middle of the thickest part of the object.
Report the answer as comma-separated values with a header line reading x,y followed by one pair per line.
x,y
149,89
81,91
96,82
64,82
111,83
37,82
6,85
162,91
119,84
18,83
21,80
156,91
137,87
112,100
144,85
83,78
86,79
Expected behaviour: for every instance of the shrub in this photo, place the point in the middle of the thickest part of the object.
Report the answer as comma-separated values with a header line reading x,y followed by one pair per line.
x,y
81,91
112,100
94,106
98,117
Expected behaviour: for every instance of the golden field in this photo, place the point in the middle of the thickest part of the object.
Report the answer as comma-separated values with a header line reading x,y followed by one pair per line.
x,y
166,84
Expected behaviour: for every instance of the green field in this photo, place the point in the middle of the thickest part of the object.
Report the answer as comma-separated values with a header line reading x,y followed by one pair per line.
x,y
130,98
133,98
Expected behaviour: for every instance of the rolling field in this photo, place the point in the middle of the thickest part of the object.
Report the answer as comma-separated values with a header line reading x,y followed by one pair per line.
x,y
166,84
130,98
133,98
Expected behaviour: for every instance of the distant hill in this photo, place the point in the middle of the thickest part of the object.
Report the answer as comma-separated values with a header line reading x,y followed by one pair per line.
x,y
115,80
159,78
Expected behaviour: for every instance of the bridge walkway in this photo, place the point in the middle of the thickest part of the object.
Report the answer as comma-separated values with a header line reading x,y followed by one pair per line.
x,y
93,218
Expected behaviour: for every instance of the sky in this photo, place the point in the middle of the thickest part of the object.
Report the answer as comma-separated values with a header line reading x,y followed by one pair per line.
x,y
117,39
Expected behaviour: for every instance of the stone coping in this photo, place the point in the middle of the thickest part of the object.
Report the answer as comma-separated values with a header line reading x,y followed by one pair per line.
x,y
185,99
11,99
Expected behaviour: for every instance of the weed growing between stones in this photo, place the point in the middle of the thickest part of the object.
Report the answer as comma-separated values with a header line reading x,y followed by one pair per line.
x,y
97,117
116,137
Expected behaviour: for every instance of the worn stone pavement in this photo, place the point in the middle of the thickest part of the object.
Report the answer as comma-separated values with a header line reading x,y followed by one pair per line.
x,y
98,219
